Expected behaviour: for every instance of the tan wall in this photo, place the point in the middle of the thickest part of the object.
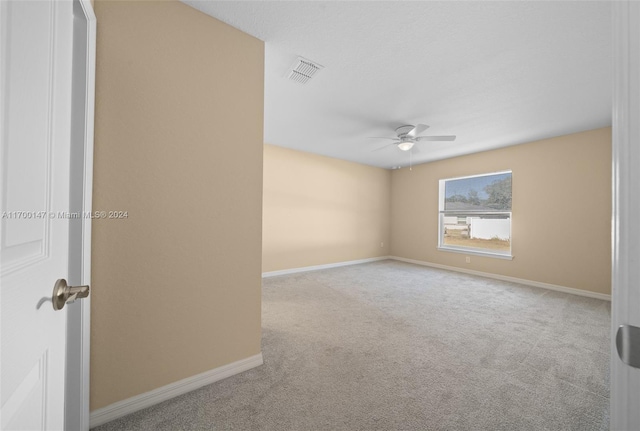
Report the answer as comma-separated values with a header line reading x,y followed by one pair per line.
x,y
176,286
561,229
319,210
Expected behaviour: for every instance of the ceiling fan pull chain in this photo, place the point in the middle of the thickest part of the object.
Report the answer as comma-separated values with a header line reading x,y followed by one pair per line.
x,y
410,160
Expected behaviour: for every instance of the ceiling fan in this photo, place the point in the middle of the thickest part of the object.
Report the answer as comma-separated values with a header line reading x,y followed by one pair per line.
x,y
408,137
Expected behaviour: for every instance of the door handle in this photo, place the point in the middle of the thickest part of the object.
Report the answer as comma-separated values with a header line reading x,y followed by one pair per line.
x,y
64,294
628,345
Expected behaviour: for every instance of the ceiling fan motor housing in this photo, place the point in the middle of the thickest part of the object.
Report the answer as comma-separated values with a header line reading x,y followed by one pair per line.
x,y
403,130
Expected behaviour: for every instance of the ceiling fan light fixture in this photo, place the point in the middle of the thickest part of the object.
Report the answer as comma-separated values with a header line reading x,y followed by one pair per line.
x,y
405,145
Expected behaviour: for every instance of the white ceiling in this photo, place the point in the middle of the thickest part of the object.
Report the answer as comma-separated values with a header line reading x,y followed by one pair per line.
x,y
492,73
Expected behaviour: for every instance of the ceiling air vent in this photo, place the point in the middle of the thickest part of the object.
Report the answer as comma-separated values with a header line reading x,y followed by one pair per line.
x,y
303,70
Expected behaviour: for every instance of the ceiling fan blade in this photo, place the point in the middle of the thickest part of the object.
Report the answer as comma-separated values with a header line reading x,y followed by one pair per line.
x,y
436,138
417,130
382,148
382,137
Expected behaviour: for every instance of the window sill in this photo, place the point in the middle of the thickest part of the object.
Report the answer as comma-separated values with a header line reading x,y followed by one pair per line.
x,y
475,252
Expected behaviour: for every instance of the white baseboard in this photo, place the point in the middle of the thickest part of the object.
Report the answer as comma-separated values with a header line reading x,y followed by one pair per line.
x,y
549,286
326,266
142,401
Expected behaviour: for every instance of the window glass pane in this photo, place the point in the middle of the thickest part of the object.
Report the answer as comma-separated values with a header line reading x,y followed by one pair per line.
x,y
489,232
482,193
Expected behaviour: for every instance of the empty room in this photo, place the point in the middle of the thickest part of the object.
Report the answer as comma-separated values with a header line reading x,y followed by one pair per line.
x,y
321,215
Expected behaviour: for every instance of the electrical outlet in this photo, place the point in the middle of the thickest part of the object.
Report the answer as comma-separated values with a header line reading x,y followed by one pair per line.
x,y
468,258
382,245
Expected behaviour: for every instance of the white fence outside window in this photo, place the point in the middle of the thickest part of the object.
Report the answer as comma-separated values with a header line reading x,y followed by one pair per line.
x,y
486,228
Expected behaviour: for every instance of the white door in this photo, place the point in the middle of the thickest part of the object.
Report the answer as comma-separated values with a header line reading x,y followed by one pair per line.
x,y
625,305
36,44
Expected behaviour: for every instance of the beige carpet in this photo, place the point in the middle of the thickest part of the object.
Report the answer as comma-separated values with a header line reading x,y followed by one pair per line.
x,y
395,346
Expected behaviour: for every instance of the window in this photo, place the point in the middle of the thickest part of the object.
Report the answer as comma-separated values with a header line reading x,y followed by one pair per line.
x,y
475,214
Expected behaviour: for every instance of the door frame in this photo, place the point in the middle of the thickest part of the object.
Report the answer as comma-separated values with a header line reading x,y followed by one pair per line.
x,y
80,202
625,291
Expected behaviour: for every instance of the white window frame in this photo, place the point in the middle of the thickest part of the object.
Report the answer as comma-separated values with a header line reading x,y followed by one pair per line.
x,y
471,250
